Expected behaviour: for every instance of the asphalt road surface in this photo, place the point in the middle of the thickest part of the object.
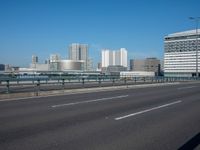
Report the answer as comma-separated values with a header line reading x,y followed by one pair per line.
x,y
153,118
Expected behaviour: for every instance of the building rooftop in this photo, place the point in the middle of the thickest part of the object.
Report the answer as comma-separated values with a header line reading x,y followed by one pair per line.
x,y
184,33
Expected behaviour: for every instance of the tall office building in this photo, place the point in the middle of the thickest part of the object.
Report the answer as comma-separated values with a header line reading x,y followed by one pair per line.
x,y
34,59
107,57
114,58
180,57
79,52
121,57
54,57
2,67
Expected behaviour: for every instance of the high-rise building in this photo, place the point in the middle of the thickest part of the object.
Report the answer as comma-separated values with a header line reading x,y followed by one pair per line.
x,y
2,67
90,66
54,57
114,58
180,56
34,59
79,52
107,57
121,57
99,66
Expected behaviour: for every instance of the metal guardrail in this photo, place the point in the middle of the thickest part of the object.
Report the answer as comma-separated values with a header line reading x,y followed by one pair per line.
x,y
36,82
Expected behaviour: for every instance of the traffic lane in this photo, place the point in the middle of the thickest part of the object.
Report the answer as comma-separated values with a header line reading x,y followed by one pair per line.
x,y
39,106
80,96
138,97
166,128
53,100
135,100
161,129
38,113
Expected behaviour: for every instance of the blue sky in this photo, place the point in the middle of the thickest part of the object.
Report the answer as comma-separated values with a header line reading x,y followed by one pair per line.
x,y
44,27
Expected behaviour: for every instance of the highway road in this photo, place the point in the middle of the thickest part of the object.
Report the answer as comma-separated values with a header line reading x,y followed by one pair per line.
x,y
153,118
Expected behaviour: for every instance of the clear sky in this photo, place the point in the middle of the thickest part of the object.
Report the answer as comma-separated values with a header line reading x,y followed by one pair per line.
x,y
44,27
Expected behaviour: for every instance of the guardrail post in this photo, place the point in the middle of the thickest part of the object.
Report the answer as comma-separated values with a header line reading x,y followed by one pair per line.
x,y
99,82
83,82
125,82
113,81
38,87
8,86
63,84
135,79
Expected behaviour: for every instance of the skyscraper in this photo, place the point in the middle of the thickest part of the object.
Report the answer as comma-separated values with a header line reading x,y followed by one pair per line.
x,y
54,58
114,58
79,52
34,59
121,57
107,58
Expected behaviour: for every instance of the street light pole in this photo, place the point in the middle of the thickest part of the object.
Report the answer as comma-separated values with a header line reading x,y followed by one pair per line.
x,y
196,19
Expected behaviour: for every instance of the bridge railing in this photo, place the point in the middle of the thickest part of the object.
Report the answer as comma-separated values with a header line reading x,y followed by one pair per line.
x,y
37,83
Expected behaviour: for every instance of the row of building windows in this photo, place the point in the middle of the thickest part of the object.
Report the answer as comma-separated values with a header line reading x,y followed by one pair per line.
x,y
180,57
182,37
181,46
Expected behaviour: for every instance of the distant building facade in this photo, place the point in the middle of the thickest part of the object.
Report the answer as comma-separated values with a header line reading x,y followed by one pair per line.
x,y
147,65
137,65
79,51
113,62
137,74
99,66
113,70
152,65
180,54
112,58
34,59
2,67
54,58
70,65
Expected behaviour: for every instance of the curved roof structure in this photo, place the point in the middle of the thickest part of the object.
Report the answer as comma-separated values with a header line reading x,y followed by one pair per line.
x,y
184,33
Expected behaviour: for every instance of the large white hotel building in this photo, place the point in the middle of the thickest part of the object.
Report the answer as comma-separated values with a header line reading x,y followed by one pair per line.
x,y
180,56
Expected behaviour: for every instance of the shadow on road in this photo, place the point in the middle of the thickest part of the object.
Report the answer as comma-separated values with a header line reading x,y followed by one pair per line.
x,y
192,143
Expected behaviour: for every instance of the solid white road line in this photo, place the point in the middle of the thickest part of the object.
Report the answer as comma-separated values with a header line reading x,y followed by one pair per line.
x,y
147,110
188,87
90,101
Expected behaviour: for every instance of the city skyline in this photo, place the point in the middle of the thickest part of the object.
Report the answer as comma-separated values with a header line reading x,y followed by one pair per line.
x,y
47,27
